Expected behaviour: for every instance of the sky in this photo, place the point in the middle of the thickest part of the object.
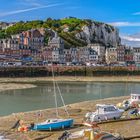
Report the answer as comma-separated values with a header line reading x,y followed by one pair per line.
x,y
124,14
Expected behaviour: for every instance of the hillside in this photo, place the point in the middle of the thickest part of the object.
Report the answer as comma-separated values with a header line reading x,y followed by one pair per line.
x,y
75,32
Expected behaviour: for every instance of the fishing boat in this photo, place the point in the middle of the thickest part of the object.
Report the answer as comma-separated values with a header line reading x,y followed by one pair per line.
x,y
55,123
104,112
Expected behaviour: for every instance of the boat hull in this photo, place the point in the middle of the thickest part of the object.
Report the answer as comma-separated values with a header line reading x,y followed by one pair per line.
x,y
54,125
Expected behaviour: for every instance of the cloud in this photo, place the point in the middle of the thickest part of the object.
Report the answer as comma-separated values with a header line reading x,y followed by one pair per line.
x,y
135,14
130,38
124,24
28,9
30,2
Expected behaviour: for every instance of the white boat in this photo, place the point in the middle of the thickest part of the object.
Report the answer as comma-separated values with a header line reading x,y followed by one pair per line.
x,y
57,123
132,102
104,112
134,98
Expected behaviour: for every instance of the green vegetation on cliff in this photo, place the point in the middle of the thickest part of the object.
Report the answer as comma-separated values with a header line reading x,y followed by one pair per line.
x,y
66,28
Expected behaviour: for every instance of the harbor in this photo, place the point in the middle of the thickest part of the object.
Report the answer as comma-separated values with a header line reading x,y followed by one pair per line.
x,y
38,97
87,94
77,111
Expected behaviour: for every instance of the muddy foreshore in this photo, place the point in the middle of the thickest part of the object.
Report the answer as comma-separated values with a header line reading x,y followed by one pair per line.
x,y
72,79
77,111
11,86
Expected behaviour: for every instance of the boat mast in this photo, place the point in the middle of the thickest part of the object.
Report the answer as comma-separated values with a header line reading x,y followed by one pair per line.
x,y
56,106
62,99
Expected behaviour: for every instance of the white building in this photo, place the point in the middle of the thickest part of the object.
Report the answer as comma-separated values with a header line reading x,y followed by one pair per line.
x,y
100,49
74,55
93,56
55,55
9,43
136,54
56,41
111,55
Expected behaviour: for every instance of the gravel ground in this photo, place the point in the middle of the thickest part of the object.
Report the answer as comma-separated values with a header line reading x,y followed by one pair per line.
x,y
77,111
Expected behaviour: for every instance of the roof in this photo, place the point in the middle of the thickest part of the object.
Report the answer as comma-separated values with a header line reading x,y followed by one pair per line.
x,y
104,105
136,94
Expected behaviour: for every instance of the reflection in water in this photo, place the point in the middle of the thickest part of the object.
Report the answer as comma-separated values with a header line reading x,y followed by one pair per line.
x,y
42,96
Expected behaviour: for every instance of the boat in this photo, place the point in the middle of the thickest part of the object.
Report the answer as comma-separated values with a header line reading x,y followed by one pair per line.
x,y
90,134
132,102
104,112
55,123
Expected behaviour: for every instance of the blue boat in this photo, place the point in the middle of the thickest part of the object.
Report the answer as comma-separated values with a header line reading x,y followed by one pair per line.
x,y
54,124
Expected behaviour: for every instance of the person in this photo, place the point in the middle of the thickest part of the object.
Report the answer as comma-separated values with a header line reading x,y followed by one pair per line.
x,y
31,126
64,136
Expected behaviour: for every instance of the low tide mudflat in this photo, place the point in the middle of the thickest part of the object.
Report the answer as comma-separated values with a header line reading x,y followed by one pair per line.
x,y
77,111
73,78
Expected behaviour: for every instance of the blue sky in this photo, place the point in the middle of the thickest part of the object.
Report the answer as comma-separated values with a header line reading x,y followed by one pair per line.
x,y
125,14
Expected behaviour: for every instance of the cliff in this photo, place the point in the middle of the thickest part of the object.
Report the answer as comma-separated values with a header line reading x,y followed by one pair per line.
x,y
101,33
75,32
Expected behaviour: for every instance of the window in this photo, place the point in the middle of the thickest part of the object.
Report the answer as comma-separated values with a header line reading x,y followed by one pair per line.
x,y
109,109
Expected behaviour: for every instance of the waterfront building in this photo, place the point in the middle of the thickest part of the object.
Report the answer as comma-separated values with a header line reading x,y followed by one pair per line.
x,y
83,55
111,55
74,55
120,53
93,56
67,56
47,54
129,54
55,55
136,52
100,49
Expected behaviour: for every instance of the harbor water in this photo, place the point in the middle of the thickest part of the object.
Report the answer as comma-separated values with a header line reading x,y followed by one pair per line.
x,y
42,97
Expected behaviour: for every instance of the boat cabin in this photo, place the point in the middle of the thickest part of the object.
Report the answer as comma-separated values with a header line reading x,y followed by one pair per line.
x,y
102,108
135,97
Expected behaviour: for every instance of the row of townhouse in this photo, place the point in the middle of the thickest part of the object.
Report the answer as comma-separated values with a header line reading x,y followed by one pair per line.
x,y
31,44
122,54
27,43
92,53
